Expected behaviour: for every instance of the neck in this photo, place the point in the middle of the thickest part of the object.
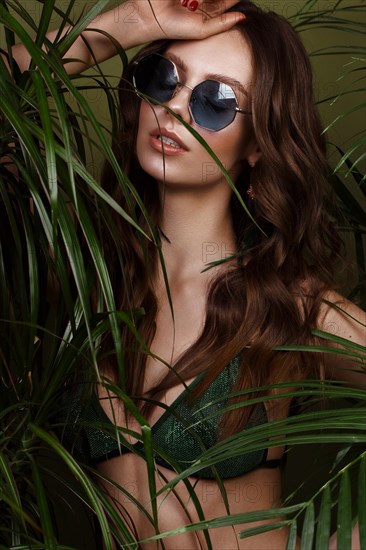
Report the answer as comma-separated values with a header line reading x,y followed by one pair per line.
x,y
198,230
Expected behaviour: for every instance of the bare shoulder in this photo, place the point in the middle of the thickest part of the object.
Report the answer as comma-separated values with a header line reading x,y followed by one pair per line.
x,y
342,318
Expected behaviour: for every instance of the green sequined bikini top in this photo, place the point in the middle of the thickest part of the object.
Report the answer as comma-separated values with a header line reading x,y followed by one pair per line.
x,y
180,436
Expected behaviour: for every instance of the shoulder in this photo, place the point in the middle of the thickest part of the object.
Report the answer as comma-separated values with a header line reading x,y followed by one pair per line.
x,y
345,324
339,316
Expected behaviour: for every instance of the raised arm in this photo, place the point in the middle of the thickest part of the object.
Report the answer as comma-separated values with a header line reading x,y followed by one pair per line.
x,y
136,22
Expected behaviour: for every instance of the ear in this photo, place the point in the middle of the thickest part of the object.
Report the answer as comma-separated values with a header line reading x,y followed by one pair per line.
x,y
253,155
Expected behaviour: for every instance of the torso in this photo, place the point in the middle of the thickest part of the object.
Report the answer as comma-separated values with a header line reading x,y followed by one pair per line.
x,y
257,490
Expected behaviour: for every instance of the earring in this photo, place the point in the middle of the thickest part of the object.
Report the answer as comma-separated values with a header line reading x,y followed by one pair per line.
x,y
250,192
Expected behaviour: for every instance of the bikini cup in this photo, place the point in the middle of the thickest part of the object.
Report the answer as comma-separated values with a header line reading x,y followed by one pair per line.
x,y
180,436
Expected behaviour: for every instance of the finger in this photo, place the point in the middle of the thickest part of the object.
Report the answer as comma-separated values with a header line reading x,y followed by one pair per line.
x,y
215,7
193,5
221,23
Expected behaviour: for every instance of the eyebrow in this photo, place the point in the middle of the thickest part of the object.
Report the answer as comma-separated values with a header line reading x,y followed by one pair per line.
x,y
235,84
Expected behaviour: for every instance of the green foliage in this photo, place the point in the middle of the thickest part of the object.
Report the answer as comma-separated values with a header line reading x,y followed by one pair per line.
x,y
51,259
347,174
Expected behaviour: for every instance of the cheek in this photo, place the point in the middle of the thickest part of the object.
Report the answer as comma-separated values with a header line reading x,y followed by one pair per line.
x,y
150,161
146,118
229,145
146,114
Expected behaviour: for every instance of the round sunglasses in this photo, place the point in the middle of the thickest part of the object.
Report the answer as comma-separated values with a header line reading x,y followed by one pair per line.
x,y
212,104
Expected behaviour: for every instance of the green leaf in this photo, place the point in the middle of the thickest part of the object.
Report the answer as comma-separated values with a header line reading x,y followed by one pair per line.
x,y
344,516
323,524
273,526
80,26
150,463
19,512
292,537
307,535
362,501
82,479
235,519
9,483
46,17
44,512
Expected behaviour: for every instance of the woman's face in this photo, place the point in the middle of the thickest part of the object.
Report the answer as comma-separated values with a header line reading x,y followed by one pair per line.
x,y
223,57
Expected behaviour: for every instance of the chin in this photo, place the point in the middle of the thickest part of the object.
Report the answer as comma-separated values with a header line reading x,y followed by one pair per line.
x,y
155,168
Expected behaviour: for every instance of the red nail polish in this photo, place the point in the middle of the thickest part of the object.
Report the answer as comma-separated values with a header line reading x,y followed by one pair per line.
x,y
193,5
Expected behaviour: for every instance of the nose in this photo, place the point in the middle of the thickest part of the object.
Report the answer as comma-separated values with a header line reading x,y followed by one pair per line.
x,y
179,103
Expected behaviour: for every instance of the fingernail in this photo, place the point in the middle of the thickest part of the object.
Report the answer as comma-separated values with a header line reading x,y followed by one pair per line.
x,y
184,3
193,5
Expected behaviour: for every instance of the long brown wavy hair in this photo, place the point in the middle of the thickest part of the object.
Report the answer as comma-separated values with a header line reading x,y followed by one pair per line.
x,y
271,294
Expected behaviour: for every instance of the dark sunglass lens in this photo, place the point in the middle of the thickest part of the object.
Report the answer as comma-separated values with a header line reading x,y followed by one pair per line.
x,y
156,77
213,105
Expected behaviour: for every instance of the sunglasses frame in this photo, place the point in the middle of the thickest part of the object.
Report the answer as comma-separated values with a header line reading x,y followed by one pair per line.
x,y
179,86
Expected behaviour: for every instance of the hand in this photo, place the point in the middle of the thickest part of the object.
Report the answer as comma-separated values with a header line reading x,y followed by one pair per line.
x,y
185,19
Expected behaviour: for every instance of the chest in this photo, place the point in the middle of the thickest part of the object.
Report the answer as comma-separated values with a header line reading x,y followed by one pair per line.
x,y
179,323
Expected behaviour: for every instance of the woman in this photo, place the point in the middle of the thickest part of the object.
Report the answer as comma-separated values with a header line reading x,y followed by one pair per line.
x,y
217,327
248,93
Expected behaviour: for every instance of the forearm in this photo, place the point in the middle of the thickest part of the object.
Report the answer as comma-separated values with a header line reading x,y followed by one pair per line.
x,y
126,28
136,22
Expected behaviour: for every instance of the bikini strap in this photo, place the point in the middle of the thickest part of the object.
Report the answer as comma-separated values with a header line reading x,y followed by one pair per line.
x,y
273,463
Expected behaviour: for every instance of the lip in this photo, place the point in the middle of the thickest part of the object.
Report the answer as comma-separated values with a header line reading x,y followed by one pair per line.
x,y
157,144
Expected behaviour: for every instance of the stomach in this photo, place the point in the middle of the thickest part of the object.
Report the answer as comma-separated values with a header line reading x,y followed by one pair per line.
x,y
256,490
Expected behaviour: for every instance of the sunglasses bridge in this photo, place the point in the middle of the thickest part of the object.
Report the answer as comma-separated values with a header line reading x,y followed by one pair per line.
x,y
178,88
